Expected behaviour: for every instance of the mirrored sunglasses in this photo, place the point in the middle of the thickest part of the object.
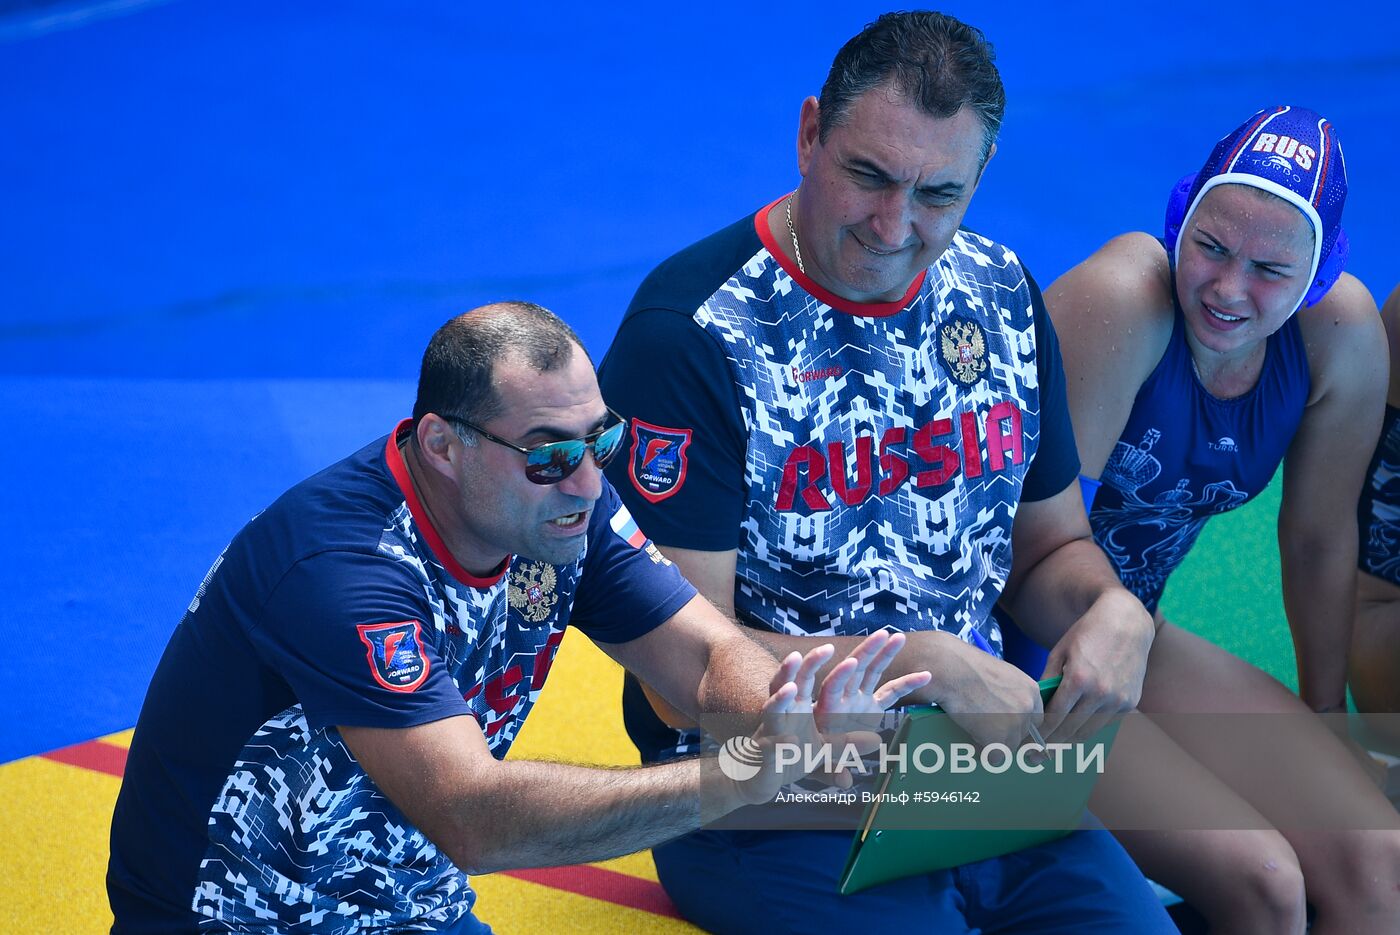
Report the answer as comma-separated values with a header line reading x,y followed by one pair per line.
x,y
551,462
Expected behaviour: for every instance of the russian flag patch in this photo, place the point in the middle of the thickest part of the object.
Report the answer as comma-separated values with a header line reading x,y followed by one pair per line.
x,y
626,527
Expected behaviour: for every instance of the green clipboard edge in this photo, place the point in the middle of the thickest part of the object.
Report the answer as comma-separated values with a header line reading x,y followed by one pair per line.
x,y
886,848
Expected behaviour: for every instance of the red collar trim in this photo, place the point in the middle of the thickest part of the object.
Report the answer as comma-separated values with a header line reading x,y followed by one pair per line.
x,y
399,469
873,310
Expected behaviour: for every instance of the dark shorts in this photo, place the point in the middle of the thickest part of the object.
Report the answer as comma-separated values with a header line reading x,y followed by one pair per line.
x,y
1378,513
786,881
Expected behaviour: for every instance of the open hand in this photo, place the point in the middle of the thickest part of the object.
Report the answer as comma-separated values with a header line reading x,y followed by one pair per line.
x,y
810,716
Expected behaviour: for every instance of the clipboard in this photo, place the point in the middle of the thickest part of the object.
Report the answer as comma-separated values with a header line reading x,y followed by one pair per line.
x,y
940,819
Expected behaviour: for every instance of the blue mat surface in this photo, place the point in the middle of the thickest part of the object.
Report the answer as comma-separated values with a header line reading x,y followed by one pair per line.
x,y
227,230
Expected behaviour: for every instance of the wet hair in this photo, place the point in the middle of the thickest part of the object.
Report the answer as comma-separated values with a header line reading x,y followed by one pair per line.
x,y
459,363
939,63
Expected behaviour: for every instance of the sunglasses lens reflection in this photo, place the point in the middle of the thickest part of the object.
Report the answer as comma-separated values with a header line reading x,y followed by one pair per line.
x,y
549,464
607,444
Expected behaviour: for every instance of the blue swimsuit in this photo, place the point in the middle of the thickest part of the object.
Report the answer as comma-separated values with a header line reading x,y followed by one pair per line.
x,y
1378,517
1185,456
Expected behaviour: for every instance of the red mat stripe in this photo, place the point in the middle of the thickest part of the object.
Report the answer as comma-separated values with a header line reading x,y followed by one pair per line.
x,y
94,755
620,889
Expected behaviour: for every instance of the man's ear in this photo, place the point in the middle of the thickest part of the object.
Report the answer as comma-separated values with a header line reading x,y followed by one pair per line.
x,y
808,133
434,436
991,151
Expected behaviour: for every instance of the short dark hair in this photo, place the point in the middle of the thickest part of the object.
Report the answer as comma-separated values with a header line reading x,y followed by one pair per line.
x,y
938,62
458,365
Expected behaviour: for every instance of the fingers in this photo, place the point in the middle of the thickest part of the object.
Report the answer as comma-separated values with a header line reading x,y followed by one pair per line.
x,y
853,685
811,664
1065,713
1067,696
835,688
892,691
859,674
1097,722
1077,712
787,671
1082,723
780,703
1064,698
880,659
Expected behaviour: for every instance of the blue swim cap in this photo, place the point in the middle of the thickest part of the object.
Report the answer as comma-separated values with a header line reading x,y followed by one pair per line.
x,y
1290,152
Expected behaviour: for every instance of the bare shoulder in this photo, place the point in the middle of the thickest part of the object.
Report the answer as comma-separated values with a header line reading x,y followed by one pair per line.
x,y
1115,308
1113,314
1344,336
1345,318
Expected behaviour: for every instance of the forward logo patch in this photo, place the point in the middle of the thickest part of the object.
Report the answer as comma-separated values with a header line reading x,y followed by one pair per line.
x,y
657,464
395,653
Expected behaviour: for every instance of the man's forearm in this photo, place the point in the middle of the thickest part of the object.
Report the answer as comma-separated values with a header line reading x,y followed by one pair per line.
x,y
536,814
1062,588
736,677
521,814
734,683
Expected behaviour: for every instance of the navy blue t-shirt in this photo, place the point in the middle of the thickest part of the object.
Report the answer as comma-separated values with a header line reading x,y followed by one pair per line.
x,y
241,806
865,460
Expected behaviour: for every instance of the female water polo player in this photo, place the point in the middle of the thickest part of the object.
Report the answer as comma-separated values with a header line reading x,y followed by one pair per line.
x,y
1196,364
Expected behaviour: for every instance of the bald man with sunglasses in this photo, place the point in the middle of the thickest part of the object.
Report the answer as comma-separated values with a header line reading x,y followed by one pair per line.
x,y
322,746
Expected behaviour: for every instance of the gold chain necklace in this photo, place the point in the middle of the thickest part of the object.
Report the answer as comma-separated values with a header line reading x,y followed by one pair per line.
x,y
792,232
